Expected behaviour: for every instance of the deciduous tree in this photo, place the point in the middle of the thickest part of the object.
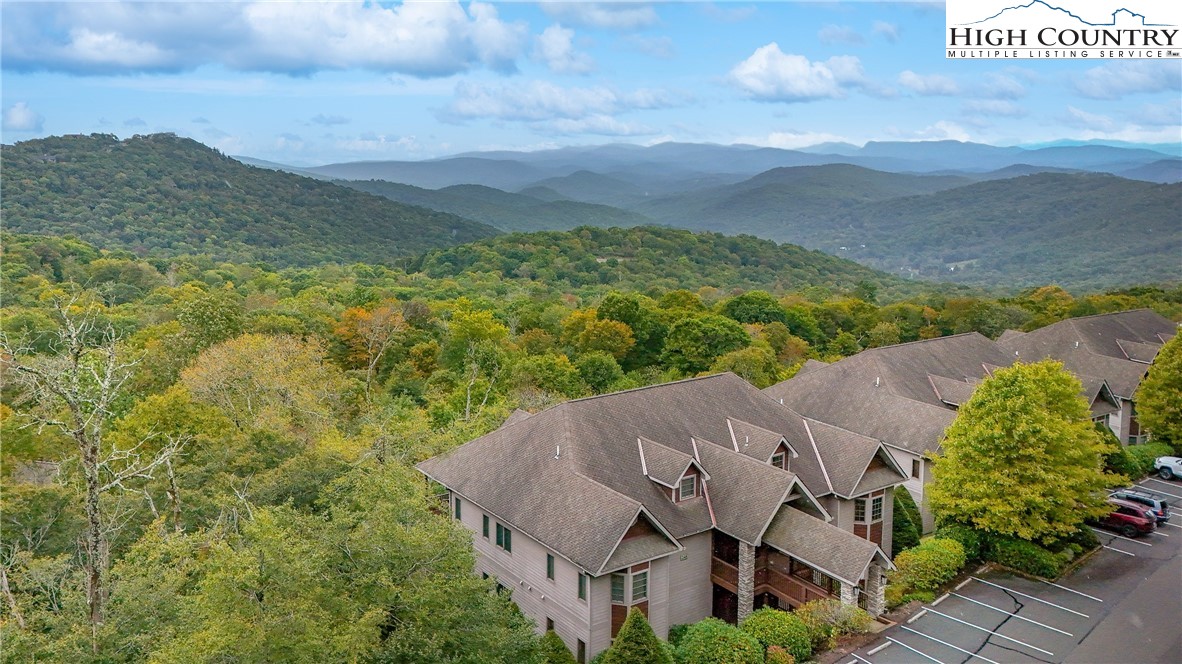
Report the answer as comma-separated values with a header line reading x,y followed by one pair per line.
x,y
1159,398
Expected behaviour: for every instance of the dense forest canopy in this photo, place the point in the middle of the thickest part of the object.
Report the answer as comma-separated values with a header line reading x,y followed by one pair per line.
x,y
208,445
161,195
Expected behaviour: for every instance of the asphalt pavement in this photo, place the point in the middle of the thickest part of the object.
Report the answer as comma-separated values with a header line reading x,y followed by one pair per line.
x,y
1122,605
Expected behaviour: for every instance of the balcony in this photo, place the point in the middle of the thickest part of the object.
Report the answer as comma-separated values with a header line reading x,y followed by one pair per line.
x,y
771,576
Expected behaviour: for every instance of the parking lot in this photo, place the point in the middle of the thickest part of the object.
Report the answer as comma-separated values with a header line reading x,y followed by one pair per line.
x,y
1124,604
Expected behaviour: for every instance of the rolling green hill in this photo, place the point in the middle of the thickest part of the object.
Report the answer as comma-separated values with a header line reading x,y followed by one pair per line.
x,y
653,258
1082,230
504,210
165,195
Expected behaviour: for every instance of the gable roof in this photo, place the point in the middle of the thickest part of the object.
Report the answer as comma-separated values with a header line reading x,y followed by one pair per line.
x,y
836,552
1116,347
600,456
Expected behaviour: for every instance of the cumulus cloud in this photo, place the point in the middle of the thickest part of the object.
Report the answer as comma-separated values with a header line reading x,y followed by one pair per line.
x,y
329,120
19,117
888,31
555,47
611,15
840,34
1082,119
792,140
991,108
420,38
939,131
928,85
1114,80
772,75
1158,115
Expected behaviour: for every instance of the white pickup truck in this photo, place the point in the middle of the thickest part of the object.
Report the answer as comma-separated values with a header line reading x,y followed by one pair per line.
x,y
1168,467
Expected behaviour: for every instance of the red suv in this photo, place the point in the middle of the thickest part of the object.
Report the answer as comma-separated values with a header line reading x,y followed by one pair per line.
x,y
1129,518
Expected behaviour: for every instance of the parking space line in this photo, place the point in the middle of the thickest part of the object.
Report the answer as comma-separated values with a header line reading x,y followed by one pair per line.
x,y
1070,590
1127,539
1173,524
1118,550
1014,615
917,652
1011,590
970,654
1158,532
1162,492
989,631
855,656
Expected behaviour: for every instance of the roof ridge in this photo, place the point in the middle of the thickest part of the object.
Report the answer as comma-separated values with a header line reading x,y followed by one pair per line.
x,y
817,452
638,389
921,341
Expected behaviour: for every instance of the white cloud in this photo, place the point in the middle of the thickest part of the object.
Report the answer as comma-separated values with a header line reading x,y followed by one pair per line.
x,y
1002,86
611,15
792,140
772,75
928,85
542,100
729,14
1114,80
1082,119
993,108
19,117
840,34
555,47
1158,115
939,131
417,38
888,31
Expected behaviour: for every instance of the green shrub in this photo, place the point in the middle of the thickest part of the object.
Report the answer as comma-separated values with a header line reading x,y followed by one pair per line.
x,y
636,643
1085,538
779,628
929,565
553,650
828,619
903,526
777,655
1026,557
924,596
1144,455
675,634
973,540
711,641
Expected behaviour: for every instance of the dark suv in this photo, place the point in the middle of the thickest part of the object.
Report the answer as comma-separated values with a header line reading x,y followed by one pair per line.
x,y
1156,504
1131,519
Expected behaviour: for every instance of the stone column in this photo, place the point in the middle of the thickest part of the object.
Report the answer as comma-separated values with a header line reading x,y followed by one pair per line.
x,y
875,590
849,594
746,580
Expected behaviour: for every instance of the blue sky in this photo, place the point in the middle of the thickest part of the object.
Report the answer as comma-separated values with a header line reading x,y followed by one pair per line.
x,y
310,83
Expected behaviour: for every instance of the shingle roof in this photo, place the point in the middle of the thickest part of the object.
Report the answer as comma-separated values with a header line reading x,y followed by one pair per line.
x,y
639,549
1137,351
663,465
846,455
839,553
1096,346
756,442
951,392
810,365
516,416
513,472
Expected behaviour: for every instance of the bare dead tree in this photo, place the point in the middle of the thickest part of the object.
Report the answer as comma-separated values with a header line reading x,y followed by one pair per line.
x,y
73,389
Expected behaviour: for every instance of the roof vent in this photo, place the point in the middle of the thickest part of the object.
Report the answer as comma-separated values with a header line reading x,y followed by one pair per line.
x,y
746,441
876,379
1077,344
781,402
557,451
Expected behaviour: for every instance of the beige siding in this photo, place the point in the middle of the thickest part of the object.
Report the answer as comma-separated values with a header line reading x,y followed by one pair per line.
x,y
523,571
917,486
689,590
601,615
658,596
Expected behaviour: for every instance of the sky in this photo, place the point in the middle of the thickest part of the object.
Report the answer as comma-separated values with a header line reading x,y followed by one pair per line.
x,y
307,83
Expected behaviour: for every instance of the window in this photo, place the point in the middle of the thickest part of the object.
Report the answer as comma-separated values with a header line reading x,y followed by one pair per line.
x,y
916,468
778,460
581,657
688,488
639,586
549,624
484,575
485,526
582,586
457,508
549,567
505,538
876,509
618,589
860,510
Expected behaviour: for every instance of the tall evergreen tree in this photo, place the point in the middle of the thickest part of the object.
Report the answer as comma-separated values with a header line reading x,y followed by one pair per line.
x,y
553,650
636,643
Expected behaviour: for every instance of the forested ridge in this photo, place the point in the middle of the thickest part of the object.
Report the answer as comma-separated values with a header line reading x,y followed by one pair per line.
x,y
209,457
162,195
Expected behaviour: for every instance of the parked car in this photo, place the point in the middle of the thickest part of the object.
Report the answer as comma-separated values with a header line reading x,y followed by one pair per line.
x,y
1156,504
1168,467
1130,519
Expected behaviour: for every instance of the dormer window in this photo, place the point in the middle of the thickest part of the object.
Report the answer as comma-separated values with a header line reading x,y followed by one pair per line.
x,y
778,459
688,488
